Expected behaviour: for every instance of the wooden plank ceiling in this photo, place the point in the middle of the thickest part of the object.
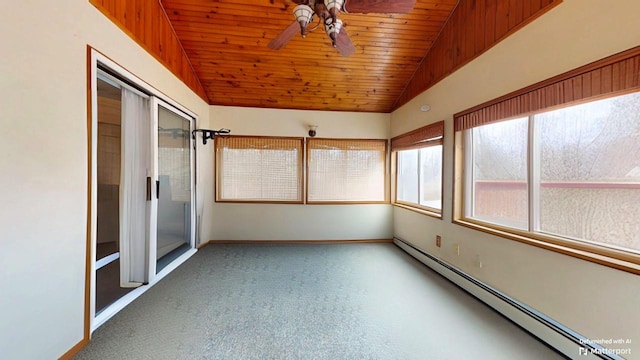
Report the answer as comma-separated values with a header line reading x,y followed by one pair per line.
x,y
226,43
218,48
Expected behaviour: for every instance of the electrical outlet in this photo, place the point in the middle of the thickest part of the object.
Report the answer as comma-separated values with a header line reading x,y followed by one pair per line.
x,y
478,262
438,241
456,248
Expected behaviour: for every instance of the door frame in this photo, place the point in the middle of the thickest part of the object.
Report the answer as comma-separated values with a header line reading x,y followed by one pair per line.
x,y
96,60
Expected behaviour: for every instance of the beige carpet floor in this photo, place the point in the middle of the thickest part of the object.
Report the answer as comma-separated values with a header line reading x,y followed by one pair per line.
x,y
347,301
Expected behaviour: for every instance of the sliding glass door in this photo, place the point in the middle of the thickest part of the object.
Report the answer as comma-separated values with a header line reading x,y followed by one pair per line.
x,y
142,190
174,183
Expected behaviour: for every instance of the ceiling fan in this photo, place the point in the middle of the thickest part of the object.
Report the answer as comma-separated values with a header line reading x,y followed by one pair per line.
x,y
327,11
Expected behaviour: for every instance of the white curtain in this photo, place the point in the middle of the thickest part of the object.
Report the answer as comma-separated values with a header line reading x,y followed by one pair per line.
x,y
135,161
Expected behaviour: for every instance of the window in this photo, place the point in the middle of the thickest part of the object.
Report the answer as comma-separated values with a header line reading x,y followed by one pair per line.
x,y
419,169
558,166
346,170
585,178
499,174
588,183
258,169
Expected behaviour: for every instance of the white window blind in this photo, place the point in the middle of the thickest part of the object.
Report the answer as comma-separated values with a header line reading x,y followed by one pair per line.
x,y
346,170
260,169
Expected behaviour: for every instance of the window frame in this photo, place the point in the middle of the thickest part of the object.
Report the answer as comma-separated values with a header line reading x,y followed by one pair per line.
x,y
219,171
568,89
423,209
424,137
343,202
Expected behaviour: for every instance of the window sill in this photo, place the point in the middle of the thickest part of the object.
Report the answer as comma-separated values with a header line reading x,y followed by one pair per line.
x,y
617,259
420,210
286,202
316,202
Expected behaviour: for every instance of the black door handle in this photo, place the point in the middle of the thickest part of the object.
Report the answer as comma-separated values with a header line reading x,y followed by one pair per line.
x,y
148,188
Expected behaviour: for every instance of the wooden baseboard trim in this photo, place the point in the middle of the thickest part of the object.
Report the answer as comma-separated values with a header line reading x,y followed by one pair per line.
x,y
74,350
301,242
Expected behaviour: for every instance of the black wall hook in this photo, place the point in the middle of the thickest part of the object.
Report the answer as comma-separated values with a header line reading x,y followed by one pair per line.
x,y
209,134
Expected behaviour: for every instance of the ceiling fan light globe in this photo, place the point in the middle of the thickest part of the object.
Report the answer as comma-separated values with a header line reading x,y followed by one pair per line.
x,y
303,14
334,5
333,27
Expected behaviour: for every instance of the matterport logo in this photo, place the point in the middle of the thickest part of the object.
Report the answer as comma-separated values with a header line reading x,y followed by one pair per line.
x,y
599,350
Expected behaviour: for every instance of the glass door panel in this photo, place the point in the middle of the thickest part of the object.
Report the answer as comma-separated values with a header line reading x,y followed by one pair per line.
x,y
109,143
174,187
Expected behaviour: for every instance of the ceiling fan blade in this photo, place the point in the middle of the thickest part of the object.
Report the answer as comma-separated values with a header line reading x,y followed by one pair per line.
x,y
379,6
283,38
344,44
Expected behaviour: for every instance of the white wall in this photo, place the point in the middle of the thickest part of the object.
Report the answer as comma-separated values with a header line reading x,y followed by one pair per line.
x,y
300,222
43,162
597,301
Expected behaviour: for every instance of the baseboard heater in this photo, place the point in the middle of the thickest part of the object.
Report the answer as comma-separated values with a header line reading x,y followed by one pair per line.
x,y
559,337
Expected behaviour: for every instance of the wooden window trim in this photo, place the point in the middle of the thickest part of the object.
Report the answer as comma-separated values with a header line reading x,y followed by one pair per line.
x,y
616,75
427,211
425,136
602,255
346,202
218,172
